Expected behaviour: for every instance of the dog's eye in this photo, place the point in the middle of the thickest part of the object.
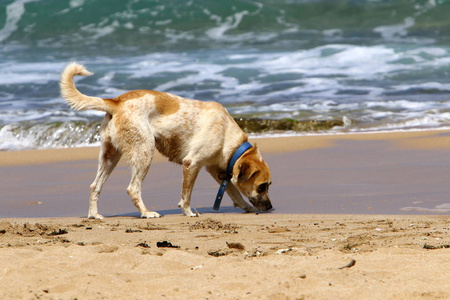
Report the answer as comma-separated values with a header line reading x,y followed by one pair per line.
x,y
263,187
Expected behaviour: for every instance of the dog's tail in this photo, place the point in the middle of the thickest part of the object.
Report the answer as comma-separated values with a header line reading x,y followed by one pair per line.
x,y
75,98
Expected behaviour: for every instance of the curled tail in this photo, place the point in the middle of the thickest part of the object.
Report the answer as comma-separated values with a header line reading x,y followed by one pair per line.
x,y
74,98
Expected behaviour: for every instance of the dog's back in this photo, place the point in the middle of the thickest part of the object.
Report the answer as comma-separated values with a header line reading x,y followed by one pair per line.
x,y
179,126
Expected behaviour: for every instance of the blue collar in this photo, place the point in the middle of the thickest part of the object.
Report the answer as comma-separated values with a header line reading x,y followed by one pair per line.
x,y
226,179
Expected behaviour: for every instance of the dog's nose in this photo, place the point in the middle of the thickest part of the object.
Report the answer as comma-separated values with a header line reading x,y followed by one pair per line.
x,y
269,206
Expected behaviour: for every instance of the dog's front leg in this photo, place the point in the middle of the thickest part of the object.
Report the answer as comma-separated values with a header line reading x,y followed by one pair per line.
x,y
238,201
232,191
190,172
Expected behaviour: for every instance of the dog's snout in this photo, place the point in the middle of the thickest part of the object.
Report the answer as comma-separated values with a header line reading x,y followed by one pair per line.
x,y
261,203
266,205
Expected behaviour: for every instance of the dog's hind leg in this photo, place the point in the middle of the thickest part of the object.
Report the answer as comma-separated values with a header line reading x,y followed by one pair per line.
x,y
140,159
108,159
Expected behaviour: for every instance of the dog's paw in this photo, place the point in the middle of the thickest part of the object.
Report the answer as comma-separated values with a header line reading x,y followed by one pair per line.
x,y
150,215
251,209
96,216
188,212
194,215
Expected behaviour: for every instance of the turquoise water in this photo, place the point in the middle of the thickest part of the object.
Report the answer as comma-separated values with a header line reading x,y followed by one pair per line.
x,y
377,65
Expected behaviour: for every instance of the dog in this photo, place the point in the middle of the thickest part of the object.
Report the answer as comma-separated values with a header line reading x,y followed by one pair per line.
x,y
192,133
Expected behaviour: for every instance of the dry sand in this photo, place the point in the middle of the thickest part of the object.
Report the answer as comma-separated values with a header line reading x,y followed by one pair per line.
x,y
227,257
231,255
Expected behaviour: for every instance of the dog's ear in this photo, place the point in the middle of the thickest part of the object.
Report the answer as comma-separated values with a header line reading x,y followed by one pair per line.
x,y
245,172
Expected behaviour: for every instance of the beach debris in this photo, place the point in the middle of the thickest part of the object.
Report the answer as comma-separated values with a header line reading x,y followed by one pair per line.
x,y
6,227
93,221
151,226
78,225
143,245
129,230
231,246
30,230
256,253
57,232
431,247
196,268
166,244
303,276
281,251
238,246
218,253
349,265
214,225
279,230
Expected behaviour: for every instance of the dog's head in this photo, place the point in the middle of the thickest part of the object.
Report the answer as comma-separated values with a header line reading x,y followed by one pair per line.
x,y
251,175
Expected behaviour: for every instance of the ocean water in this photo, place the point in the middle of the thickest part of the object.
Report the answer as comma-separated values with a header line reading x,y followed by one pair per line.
x,y
375,64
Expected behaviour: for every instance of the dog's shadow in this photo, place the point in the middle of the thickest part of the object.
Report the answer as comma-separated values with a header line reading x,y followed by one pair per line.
x,y
201,210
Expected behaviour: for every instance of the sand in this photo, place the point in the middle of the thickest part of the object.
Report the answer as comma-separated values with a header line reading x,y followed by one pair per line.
x,y
361,216
227,257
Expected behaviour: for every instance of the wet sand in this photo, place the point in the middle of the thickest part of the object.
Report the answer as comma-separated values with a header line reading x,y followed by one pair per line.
x,y
361,216
391,173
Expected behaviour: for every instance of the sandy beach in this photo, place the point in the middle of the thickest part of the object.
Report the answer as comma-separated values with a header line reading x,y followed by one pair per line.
x,y
358,216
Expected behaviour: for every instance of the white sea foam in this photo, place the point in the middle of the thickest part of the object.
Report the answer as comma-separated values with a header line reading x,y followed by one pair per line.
x,y
44,136
22,73
441,209
230,22
76,3
393,32
14,12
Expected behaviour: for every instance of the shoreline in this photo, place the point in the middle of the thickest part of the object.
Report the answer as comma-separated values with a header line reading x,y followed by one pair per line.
x,y
313,141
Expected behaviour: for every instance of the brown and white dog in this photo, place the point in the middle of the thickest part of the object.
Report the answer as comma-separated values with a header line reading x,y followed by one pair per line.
x,y
192,133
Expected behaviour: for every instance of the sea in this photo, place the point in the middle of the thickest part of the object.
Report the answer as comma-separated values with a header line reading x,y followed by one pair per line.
x,y
375,65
